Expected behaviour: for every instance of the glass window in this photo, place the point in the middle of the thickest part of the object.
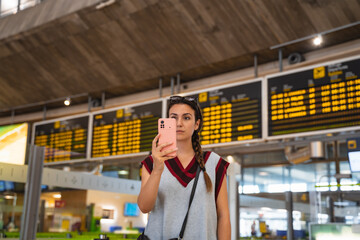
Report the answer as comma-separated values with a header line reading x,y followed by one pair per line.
x,y
8,7
298,178
27,3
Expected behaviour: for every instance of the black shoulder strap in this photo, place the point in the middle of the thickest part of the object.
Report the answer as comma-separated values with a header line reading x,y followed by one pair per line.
x,y
191,199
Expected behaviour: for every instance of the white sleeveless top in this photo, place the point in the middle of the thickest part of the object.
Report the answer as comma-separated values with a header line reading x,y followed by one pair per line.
x,y
167,216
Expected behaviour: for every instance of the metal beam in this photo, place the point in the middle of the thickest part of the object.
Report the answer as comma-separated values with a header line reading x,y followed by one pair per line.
x,y
172,80
89,103
178,79
255,66
44,113
314,35
12,115
160,87
280,60
103,100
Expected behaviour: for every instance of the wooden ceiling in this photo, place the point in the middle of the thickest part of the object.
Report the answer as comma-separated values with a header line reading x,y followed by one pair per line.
x,y
124,48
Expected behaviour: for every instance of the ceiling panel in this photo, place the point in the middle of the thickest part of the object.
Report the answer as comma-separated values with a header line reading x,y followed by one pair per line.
x,y
125,47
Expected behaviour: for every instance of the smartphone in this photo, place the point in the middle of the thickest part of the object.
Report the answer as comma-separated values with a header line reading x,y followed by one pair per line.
x,y
167,130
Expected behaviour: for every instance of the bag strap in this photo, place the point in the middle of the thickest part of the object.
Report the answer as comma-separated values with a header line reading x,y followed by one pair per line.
x,y
191,199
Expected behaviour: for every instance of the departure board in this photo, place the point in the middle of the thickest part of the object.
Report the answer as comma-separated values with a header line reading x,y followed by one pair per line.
x,y
126,130
320,98
231,113
64,139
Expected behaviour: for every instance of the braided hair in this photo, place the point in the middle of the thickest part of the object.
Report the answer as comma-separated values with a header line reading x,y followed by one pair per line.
x,y
195,138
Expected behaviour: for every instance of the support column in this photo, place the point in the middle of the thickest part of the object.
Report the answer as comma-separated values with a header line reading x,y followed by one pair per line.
x,y
41,227
289,208
337,164
330,208
32,194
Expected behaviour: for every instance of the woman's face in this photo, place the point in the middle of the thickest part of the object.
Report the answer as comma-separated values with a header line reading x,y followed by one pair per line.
x,y
185,121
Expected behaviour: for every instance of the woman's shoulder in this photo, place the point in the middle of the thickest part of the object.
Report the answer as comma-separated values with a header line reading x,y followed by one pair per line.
x,y
213,157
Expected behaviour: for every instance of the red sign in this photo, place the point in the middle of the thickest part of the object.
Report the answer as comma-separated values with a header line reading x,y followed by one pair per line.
x,y
59,203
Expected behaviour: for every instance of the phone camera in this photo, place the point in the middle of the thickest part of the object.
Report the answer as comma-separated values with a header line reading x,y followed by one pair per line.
x,y
162,121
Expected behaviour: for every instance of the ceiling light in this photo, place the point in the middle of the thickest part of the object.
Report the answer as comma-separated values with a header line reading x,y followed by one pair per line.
x,y
57,196
123,172
317,40
67,101
9,197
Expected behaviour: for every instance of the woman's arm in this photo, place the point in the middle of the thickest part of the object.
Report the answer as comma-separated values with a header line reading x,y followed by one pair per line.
x,y
150,182
149,189
223,215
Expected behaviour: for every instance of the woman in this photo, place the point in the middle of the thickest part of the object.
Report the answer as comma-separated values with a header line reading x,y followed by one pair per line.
x,y
167,182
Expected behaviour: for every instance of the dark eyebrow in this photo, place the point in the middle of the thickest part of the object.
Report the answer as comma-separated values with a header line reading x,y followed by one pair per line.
x,y
174,114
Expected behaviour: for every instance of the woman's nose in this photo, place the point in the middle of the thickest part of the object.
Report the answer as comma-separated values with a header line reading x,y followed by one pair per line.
x,y
178,122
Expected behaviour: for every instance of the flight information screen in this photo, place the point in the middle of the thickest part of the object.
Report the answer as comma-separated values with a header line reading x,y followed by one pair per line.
x,y
126,130
64,139
321,98
231,114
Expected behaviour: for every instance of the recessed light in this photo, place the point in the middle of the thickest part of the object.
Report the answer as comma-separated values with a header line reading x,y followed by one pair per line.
x,y
317,40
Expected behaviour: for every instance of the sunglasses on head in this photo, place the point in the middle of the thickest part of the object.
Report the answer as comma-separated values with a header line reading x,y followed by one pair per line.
x,y
175,99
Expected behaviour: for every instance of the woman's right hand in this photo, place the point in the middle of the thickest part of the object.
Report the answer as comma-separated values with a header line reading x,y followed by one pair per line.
x,y
159,157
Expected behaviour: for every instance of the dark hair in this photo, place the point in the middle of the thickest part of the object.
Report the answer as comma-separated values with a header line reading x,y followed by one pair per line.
x,y
195,139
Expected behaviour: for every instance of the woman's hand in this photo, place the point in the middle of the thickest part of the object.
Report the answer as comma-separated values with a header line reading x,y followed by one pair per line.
x,y
159,156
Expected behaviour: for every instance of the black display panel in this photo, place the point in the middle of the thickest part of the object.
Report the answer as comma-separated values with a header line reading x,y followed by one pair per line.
x,y
64,139
126,130
231,113
321,98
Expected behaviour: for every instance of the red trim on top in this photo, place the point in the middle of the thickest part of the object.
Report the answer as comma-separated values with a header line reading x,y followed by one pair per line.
x,y
179,169
178,172
222,176
175,175
146,166
185,171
